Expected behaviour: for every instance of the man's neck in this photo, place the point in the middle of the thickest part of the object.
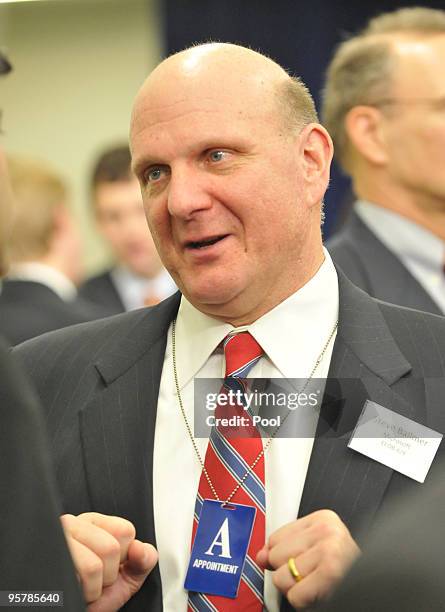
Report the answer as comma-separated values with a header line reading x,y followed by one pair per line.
x,y
61,264
421,208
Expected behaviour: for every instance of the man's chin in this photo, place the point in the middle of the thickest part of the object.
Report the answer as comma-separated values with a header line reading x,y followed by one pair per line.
x,y
213,299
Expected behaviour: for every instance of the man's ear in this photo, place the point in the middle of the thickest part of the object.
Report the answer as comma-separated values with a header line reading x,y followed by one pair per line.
x,y
364,127
316,151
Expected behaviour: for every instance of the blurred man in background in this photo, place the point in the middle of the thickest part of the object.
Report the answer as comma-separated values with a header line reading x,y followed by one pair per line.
x,y
138,277
33,551
45,252
384,105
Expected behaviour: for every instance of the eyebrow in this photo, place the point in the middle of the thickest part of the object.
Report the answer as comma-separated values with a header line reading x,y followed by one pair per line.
x,y
144,162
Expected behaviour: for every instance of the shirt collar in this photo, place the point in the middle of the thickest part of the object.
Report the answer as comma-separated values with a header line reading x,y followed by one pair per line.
x,y
124,276
45,275
133,288
289,334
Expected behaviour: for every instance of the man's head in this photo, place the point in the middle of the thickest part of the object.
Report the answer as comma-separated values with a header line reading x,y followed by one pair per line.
x,y
233,167
119,213
384,106
43,228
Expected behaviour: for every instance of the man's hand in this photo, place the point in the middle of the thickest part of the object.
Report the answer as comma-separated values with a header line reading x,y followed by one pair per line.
x,y
323,550
111,564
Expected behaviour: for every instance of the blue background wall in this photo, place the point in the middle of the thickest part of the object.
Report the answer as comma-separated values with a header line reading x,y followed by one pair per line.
x,y
298,34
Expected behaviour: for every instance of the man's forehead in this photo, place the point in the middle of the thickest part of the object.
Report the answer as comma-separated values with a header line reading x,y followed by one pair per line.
x,y
181,104
419,63
208,87
411,46
175,103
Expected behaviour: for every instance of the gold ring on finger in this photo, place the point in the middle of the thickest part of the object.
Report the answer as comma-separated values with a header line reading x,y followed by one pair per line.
x,y
293,570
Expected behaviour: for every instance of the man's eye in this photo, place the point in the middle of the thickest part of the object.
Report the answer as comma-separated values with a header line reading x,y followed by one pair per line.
x,y
154,174
217,156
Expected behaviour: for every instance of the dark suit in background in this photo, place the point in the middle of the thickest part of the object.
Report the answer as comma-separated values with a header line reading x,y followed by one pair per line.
x,y
401,569
28,309
114,297
100,383
373,267
34,555
102,291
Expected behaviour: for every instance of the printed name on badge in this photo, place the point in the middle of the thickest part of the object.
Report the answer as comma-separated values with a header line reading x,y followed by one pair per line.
x,y
395,441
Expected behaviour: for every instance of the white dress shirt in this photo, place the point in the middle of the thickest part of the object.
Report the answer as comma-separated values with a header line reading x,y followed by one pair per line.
x,y
418,249
134,290
292,336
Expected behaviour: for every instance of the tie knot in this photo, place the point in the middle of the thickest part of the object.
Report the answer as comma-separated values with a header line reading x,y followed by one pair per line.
x,y
242,352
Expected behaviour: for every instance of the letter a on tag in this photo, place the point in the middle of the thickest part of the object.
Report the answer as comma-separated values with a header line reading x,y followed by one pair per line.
x,y
222,540
220,548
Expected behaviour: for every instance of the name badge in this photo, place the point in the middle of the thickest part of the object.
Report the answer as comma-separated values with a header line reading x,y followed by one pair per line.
x,y
395,441
220,548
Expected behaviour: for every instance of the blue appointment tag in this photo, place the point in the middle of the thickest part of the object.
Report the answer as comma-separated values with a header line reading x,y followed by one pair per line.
x,y
220,548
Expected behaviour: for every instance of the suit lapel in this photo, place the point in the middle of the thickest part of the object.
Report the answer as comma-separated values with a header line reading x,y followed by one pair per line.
x,y
117,425
117,429
366,364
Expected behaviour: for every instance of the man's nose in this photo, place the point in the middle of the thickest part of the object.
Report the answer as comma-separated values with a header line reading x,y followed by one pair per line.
x,y
188,193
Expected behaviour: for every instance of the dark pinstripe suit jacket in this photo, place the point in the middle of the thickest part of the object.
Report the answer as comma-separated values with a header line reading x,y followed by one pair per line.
x,y
99,383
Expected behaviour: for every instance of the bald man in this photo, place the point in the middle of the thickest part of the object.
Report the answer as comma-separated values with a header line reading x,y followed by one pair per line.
x,y
233,166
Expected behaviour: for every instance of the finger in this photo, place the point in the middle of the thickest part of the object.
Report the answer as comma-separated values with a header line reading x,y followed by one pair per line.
x,y
299,525
305,564
321,568
262,558
105,546
322,529
118,527
286,531
141,560
88,567
310,591
293,546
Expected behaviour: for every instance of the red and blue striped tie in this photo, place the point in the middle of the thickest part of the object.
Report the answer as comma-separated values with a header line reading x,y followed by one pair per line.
x,y
227,460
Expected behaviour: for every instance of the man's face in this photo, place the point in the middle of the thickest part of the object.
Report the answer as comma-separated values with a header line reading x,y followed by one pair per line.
x,y
221,185
415,124
121,220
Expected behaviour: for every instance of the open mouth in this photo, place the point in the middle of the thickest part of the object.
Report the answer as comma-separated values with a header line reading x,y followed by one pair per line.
x,y
201,244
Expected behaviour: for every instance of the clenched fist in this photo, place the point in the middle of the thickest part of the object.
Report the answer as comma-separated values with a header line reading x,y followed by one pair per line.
x,y
111,564
323,550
